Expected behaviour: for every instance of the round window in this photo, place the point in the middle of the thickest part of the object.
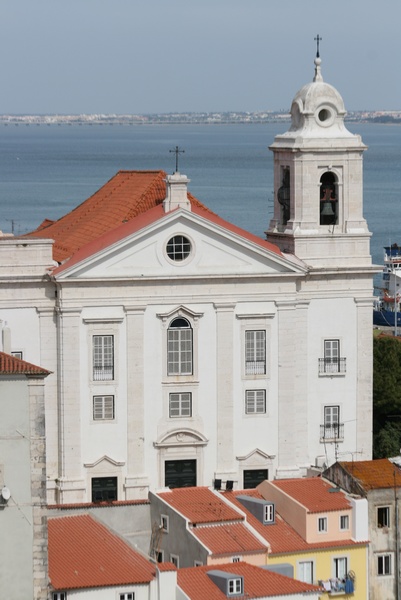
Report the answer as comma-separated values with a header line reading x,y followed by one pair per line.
x,y
324,114
178,248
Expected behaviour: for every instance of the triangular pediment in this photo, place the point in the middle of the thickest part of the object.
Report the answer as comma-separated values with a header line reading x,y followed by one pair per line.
x,y
214,251
255,457
104,461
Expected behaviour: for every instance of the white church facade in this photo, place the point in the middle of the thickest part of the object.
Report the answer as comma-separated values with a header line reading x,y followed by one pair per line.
x,y
186,351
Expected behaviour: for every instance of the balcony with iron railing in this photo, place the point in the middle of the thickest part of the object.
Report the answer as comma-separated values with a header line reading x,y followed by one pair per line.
x,y
339,587
332,366
103,373
332,433
255,367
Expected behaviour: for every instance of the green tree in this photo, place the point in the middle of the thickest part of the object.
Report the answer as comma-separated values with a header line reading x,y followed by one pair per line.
x,y
386,396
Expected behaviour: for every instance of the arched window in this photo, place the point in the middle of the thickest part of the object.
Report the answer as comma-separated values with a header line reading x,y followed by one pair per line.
x,y
284,196
328,199
179,347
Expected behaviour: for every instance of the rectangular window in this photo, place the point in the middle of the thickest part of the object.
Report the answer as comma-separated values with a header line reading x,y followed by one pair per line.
x,y
305,571
384,564
235,586
164,523
255,352
180,404
127,596
104,489
332,361
322,524
198,563
383,516
103,408
175,560
340,568
160,556
17,354
59,596
344,522
331,416
103,358
255,402
268,513
236,559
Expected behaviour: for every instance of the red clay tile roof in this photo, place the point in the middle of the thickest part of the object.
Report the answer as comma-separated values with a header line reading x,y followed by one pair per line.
x,y
314,494
283,539
233,538
258,582
199,505
124,197
166,566
122,200
85,554
10,365
374,474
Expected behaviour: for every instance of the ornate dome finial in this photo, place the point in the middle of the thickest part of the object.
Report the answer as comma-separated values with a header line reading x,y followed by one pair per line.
x,y
318,60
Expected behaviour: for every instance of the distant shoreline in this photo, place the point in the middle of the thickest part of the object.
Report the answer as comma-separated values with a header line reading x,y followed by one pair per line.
x,y
215,118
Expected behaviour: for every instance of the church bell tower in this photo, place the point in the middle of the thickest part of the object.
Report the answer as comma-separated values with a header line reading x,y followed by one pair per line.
x,y
318,182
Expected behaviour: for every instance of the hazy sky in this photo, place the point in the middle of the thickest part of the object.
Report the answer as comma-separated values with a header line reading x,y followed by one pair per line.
x,y
145,56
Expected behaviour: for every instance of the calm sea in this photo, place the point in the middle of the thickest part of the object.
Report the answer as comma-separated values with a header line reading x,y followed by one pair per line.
x,y
45,171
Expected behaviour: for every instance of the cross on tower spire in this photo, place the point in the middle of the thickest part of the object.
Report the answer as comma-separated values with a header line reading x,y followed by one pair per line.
x,y
317,40
177,151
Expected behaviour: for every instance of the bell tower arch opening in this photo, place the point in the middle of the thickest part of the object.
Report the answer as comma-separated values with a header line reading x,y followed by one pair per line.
x,y
328,208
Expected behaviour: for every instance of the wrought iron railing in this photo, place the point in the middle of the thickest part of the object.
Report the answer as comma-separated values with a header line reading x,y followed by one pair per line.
x,y
332,365
255,367
103,373
332,432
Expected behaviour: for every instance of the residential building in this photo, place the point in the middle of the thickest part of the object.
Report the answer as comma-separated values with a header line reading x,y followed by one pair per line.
x,y
379,481
313,532
87,560
187,351
23,548
196,526
332,524
240,580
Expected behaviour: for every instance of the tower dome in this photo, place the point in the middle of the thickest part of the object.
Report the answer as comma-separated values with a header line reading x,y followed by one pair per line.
x,y
317,109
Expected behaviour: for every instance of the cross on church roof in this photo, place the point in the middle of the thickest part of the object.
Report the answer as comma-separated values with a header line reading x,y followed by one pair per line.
x,y
177,152
317,40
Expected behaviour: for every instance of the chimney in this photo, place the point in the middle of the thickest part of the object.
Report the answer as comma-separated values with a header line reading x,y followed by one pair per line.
x,y
6,338
176,192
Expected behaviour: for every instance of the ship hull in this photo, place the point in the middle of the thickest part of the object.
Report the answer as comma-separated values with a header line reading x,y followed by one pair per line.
x,y
385,318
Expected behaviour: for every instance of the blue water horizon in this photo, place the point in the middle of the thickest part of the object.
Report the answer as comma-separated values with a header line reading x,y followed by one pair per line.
x,y
46,171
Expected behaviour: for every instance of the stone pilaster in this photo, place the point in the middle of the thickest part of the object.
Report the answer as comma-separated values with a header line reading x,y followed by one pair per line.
x,y
48,360
364,401
292,388
71,484
136,483
225,390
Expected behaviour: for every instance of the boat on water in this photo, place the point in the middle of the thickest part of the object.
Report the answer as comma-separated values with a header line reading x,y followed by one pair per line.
x,y
387,307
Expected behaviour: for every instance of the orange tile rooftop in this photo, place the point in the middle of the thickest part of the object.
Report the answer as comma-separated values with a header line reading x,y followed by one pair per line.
x,y
233,538
199,505
10,365
281,537
124,198
84,554
314,494
258,582
374,474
